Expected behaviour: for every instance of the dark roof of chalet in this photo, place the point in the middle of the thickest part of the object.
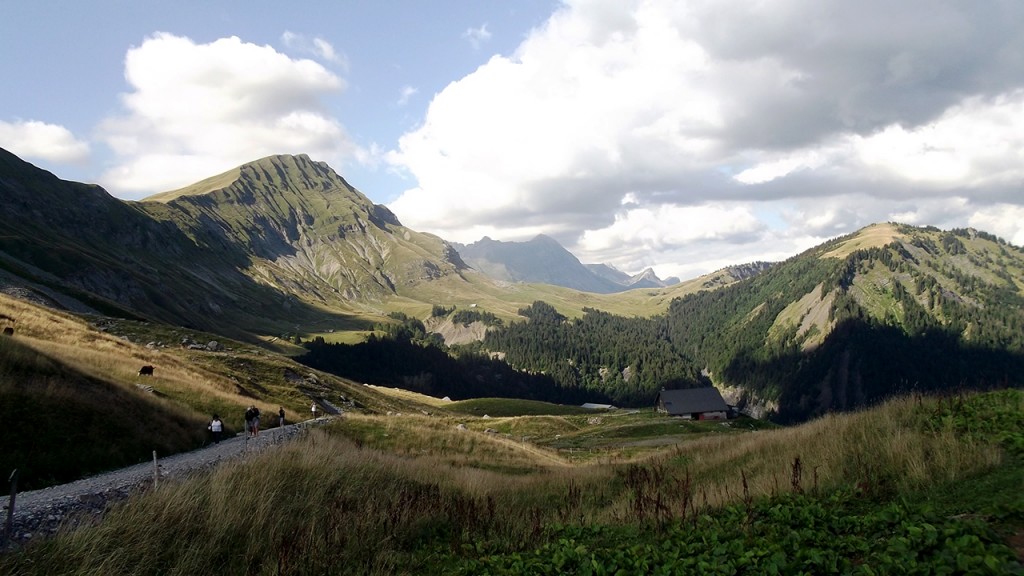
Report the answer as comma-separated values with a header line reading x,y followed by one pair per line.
x,y
690,400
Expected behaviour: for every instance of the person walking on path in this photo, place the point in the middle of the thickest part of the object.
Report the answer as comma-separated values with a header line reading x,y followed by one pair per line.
x,y
255,421
252,420
280,416
216,428
314,410
248,420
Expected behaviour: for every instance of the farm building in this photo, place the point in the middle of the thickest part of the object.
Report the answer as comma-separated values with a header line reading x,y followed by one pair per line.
x,y
693,403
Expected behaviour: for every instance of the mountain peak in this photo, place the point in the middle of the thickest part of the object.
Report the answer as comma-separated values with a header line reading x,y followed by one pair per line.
x,y
280,170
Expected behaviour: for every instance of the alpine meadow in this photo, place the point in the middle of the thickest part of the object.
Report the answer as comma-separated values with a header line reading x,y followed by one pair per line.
x,y
498,408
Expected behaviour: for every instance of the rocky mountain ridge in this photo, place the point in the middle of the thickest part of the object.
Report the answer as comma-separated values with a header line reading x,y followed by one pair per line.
x,y
279,246
285,246
544,260
283,240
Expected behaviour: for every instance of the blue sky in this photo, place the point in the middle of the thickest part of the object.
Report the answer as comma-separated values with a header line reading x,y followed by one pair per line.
x,y
70,62
683,135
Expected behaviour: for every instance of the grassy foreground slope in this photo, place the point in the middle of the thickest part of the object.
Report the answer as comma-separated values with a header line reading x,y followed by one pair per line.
x,y
72,402
916,486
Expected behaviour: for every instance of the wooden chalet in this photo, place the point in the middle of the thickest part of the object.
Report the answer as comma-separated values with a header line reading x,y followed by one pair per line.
x,y
693,404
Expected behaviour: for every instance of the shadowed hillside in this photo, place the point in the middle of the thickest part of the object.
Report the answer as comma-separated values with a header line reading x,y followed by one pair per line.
x,y
72,401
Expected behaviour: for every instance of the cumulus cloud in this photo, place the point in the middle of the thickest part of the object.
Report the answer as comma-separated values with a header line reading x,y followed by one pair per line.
x,y
43,141
1003,220
198,109
829,116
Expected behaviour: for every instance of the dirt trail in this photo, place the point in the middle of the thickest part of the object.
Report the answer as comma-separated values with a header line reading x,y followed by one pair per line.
x,y
40,513
546,456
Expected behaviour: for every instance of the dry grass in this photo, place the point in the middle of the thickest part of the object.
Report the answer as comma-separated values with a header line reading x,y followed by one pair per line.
x,y
874,236
380,495
410,396
880,450
76,377
73,342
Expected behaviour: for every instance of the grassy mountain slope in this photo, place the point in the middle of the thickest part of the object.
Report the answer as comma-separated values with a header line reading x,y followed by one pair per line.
x,y
886,310
314,237
118,257
282,245
285,247
73,402
308,229
891,308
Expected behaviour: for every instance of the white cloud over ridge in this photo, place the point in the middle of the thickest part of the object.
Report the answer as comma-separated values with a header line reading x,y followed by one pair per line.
x,y
198,109
727,126
44,141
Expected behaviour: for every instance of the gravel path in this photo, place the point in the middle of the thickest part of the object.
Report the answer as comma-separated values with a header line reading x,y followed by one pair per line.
x,y
40,513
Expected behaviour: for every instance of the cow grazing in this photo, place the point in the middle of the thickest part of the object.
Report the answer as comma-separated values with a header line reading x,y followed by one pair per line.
x,y
8,331
146,370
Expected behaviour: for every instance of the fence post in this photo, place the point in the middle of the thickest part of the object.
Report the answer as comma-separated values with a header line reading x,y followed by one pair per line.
x,y
156,471
9,526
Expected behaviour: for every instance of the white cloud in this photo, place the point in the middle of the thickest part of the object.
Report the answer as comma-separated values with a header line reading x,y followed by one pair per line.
x,y
1003,220
198,109
407,92
668,225
781,167
40,140
836,115
974,144
477,36
318,47
325,50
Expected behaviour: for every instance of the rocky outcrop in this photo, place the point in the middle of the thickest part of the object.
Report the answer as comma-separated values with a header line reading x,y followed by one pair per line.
x,y
748,403
454,333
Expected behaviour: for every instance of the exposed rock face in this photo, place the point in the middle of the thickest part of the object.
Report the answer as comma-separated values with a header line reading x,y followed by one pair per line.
x,y
747,402
744,271
454,333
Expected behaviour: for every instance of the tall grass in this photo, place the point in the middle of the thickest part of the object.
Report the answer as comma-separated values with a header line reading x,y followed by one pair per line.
x,y
377,495
72,404
60,424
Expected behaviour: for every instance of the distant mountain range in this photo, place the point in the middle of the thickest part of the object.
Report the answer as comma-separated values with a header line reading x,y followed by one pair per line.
x,y
890,309
282,245
285,246
544,260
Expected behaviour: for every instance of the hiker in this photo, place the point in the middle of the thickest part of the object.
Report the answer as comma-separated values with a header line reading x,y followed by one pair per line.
x,y
280,416
248,421
216,427
252,420
314,410
255,421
